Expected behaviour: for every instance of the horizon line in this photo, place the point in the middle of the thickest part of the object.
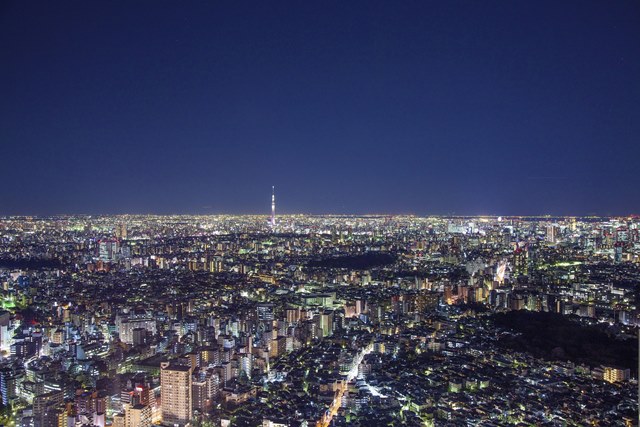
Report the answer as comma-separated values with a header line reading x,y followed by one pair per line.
x,y
267,215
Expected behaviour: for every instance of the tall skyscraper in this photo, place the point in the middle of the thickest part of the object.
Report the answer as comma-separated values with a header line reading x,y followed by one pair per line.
x,y
175,382
273,206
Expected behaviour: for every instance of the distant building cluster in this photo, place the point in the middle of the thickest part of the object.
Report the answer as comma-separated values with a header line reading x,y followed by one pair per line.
x,y
134,321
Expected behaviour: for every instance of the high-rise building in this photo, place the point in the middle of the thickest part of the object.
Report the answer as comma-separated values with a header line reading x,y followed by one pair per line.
x,y
324,322
108,250
8,385
127,325
552,233
121,231
614,374
118,420
175,383
138,416
246,364
264,312
5,333
205,387
199,393
46,408
617,252
520,262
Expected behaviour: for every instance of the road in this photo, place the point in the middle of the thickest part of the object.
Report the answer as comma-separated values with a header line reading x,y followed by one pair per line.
x,y
325,421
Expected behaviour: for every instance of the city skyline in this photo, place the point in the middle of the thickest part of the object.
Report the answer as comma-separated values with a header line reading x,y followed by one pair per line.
x,y
135,321
423,108
455,238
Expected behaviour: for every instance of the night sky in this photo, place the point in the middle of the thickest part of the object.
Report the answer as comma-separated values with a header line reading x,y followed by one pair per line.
x,y
472,107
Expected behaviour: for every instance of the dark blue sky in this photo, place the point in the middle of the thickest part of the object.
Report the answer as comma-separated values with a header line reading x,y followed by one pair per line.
x,y
472,107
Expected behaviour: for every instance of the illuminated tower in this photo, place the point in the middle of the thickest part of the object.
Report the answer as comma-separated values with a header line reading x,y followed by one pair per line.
x,y
273,206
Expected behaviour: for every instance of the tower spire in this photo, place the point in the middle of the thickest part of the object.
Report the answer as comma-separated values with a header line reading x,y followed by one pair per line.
x,y
273,206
